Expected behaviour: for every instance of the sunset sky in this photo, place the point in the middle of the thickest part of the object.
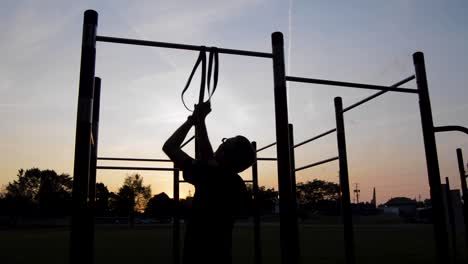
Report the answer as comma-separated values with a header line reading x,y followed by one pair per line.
x,y
359,41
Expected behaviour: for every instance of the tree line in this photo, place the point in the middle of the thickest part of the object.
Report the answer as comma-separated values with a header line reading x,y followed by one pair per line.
x,y
45,193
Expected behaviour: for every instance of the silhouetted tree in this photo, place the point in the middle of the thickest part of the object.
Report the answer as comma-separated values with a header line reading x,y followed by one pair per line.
x,y
123,202
42,191
267,198
160,207
102,199
131,197
141,192
318,195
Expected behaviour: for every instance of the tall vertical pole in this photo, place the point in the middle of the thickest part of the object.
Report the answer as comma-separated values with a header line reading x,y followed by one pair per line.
x,y
346,211
79,251
176,222
451,218
256,209
288,219
293,165
432,163
461,170
92,170
95,140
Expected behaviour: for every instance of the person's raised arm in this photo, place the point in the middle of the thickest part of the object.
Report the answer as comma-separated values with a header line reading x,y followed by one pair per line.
x,y
204,145
172,146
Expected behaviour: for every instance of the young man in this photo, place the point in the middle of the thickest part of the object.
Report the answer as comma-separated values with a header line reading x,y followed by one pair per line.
x,y
220,193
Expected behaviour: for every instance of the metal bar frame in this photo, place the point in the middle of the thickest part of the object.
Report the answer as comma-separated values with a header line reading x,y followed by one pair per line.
x,y
267,146
176,220
181,46
289,237
412,77
463,185
92,170
315,138
317,163
346,210
80,226
79,251
134,159
293,165
350,84
267,159
451,128
135,168
432,163
256,210
451,219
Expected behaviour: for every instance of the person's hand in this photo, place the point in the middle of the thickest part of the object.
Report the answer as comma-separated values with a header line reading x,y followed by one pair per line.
x,y
201,111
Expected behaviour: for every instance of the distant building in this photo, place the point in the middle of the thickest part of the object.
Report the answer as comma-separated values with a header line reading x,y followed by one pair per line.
x,y
406,207
391,211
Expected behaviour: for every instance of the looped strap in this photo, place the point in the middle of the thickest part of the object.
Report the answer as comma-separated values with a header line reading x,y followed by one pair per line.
x,y
213,62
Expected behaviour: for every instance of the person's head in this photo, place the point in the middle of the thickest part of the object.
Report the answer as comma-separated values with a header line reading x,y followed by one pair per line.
x,y
235,153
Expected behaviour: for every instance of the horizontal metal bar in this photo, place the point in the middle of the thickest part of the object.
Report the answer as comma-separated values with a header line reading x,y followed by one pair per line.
x,y
181,46
134,159
451,128
186,142
265,147
316,137
244,181
377,94
268,159
347,109
349,84
135,168
317,163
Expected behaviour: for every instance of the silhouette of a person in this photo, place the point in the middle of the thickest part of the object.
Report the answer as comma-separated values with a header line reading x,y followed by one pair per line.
x,y
220,193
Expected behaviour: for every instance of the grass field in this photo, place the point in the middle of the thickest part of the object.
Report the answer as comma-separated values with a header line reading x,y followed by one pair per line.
x,y
319,244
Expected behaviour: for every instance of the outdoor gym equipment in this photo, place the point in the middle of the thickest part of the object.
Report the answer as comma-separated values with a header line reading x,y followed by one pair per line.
x,y
82,226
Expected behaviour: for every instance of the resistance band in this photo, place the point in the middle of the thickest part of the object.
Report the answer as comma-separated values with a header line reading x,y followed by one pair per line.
x,y
213,66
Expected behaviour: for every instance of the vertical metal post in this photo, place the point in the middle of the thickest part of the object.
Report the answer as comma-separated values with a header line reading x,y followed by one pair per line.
x,y
293,165
288,219
79,251
95,140
461,169
92,170
256,209
432,163
451,218
344,183
176,221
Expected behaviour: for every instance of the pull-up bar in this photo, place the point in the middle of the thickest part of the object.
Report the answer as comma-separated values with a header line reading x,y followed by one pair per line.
x,y
350,84
134,159
181,46
317,163
135,168
316,137
451,128
268,159
412,77
267,146
378,94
